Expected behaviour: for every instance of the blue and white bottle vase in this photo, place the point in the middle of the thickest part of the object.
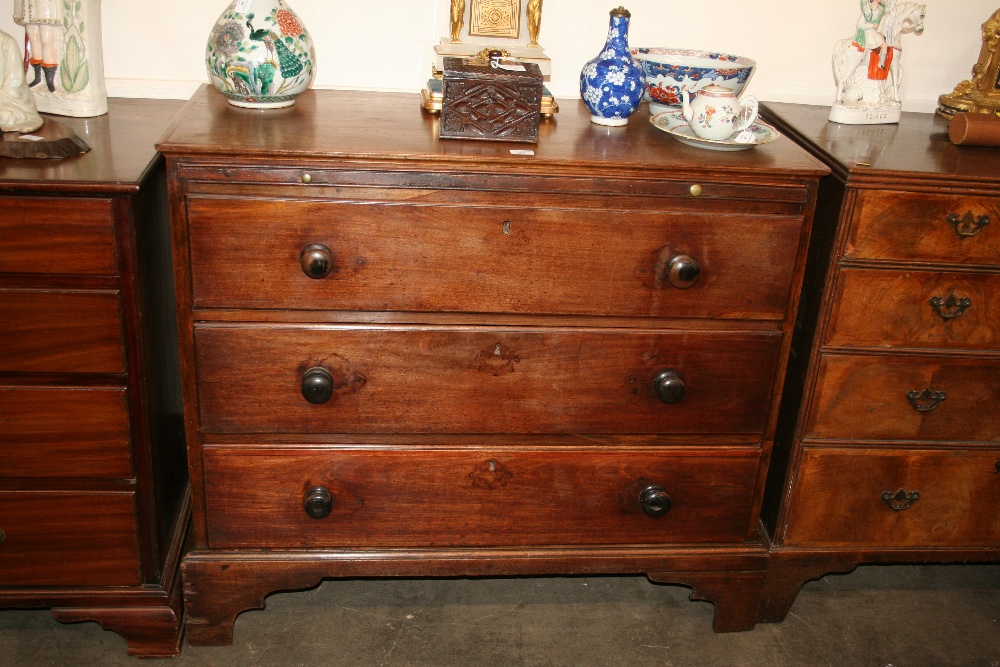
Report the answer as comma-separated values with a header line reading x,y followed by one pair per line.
x,y
611,84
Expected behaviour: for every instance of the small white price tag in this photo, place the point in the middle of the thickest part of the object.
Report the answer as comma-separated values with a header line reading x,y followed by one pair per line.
x,y
31,137
744,137
515,151
513,68
243,5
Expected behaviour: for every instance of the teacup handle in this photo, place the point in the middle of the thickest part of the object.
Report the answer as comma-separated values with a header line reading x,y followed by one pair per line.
x,y
749,112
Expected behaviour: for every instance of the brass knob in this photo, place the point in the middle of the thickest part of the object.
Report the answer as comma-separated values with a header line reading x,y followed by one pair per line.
x,y
696,190
318,502
683,271
307,178
654,501
317,385
669,387
317,261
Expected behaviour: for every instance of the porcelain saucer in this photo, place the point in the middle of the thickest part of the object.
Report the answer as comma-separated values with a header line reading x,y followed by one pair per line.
x,y
673,123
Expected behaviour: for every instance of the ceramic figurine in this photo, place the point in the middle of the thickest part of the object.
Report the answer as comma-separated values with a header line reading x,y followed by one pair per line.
x,y
17,106
259,54
868,67
612,84
717,114
65,55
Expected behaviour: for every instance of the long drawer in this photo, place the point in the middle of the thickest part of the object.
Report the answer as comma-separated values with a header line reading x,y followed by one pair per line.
x,y
68,538
61,332
927,228
896,498
898,397
57,236
385,379
249,253
257,497
64,432
920,309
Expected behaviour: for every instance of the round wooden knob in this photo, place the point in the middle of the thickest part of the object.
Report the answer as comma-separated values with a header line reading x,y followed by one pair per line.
x,y
654,501
317,261
317,385
683,271
318,502
669,387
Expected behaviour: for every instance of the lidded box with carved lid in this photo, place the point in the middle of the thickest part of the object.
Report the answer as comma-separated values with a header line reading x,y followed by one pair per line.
x,y
493,101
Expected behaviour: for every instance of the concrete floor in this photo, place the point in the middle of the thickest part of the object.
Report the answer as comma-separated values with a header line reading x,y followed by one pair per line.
x,y
878,616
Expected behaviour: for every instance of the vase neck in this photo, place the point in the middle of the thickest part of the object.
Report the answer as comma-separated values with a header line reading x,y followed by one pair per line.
x,y
618,32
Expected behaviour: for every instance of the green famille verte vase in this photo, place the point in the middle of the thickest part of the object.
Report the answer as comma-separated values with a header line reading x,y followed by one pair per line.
x,y
260,55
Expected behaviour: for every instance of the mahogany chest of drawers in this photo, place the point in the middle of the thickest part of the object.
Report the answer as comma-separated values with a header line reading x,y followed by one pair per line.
x,y
888,447
93,493
411,357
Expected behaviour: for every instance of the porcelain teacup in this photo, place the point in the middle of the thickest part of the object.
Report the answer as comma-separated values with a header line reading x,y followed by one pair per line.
x,y
717,114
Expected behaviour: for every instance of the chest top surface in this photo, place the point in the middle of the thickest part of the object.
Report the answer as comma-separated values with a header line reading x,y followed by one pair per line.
x,y
916,148
122,151
375,127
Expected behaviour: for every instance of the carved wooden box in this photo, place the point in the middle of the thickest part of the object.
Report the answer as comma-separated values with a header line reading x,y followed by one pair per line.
x,y
481,102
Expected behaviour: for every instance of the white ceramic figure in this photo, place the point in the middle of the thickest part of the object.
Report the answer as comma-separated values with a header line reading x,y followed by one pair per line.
x,y
17,106
868,67
717,114
66,57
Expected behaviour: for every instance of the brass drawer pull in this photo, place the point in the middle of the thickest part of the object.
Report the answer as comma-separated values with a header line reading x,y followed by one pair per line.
x,y
967,225
926,400
950,308
316,261
654,501
683,271
318,502
669,387
902,500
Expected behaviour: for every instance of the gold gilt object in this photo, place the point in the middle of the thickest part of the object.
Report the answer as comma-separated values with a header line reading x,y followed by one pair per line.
x,y
981,93
495,18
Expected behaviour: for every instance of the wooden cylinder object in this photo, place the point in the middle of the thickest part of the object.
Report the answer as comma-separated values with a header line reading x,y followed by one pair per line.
x,y
974,129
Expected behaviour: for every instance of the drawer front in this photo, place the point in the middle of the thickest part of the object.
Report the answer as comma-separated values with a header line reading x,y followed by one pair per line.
x,y
63,538
64,432
57,236
916,309
60,332
248,254
421,497
927,228
490,380
851,497
906,398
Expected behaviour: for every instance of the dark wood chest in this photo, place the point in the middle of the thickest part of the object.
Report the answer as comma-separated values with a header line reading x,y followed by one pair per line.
x,y
889,446
412,357
93,493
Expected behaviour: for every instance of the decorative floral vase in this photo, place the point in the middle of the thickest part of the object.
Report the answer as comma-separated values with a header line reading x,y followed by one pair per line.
x,y
260,55
611,84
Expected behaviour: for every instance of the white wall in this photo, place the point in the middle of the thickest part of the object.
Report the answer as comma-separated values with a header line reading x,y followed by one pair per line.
x,y
156,49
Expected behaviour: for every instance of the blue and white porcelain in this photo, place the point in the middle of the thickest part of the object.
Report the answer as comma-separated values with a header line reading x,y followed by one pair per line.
x,y
611,84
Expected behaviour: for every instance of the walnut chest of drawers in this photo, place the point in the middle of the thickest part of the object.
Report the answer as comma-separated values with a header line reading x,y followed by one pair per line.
x,y
412,357
888,447
93,492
